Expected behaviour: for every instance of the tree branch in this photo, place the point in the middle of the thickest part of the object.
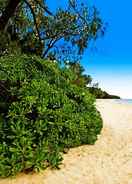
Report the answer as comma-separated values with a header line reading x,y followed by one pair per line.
x,y
50,45
34,18
78,13
44,7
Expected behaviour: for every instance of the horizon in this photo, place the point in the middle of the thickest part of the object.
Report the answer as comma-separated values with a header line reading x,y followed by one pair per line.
x,y
111,63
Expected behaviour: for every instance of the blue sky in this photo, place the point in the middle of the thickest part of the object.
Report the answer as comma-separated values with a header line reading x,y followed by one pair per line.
x,y
111,63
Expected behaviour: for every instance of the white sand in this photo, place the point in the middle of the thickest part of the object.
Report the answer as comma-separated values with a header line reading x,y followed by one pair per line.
x,y
109,161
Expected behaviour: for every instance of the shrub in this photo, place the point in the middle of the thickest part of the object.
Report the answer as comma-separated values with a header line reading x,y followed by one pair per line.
x,y
41,114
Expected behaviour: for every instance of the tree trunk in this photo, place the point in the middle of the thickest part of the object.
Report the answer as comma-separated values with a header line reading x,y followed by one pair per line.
x,y
8,13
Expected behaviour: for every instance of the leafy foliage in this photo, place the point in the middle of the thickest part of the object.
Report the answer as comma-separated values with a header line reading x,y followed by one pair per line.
x,y
82,80
42,112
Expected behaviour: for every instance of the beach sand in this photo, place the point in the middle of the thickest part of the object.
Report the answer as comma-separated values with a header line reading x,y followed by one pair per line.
x,y
109,161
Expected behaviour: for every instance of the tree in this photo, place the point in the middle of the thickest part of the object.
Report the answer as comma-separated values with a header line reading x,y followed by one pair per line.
x,y
82,79
49,34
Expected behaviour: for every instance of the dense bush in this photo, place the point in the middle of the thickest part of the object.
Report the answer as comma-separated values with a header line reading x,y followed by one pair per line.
x,y
41,113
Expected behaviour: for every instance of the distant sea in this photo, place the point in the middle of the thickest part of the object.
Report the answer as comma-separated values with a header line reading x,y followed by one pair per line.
x,y
124,101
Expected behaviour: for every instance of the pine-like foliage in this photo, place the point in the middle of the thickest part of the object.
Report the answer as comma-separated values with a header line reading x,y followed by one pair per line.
x,y
41,113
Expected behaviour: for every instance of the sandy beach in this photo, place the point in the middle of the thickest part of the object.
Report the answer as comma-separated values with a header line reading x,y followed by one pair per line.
x,y
109,161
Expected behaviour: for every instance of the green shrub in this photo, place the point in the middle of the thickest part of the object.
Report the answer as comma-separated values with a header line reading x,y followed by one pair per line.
x,y
41,113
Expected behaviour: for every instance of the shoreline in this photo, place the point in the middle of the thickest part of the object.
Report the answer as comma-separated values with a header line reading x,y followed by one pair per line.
x,y
125,102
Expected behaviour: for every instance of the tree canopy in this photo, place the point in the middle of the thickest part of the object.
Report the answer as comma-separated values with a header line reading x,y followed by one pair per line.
x,y
60,35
